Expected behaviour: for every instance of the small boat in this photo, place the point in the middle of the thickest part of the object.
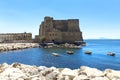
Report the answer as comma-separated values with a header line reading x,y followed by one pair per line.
x,y
111,54
78,47
84,44
69,52
88,52
56,54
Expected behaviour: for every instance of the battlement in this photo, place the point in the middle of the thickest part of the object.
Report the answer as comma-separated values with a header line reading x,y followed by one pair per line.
x,y
48,18
73,20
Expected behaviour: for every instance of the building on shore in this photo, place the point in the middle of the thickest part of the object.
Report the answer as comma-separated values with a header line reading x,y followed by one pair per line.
x,y
16,37
36,39
59,30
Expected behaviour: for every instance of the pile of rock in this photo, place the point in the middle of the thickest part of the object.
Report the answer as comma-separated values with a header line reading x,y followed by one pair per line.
x,y
71,46
17,71
16,46
66,45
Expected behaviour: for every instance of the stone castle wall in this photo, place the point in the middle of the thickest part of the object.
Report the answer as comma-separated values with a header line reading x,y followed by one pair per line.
x,y
60,30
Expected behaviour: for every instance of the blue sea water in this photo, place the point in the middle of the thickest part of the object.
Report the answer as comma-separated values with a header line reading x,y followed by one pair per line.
x,y
43,57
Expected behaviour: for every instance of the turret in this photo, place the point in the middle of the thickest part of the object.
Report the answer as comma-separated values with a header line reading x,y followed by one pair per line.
x,y
48,23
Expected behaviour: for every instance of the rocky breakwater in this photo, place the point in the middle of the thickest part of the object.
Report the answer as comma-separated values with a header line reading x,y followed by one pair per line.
x,y
66,45
17,71
16,46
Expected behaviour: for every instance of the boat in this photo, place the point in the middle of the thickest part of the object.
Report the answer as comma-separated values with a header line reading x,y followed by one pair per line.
x,y
111,54
69,52
84,44
77,47
56,54
88,52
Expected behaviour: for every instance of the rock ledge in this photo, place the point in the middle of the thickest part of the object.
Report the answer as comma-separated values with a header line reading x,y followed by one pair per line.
x,y
16,46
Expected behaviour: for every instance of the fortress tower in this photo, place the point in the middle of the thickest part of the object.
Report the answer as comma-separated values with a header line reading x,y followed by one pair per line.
x,y
60,30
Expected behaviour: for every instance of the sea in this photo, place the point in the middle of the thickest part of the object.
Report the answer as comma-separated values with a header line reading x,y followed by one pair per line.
x,y
44,57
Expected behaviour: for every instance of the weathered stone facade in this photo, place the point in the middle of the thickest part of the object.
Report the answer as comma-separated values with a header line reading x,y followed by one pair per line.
x,y
11,37
60,30
36,39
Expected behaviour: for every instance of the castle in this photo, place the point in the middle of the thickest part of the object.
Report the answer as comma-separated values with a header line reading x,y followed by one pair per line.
x,y
50,31
59,30
16,37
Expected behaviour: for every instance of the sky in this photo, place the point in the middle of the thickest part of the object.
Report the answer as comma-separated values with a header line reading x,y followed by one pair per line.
x,y
98,18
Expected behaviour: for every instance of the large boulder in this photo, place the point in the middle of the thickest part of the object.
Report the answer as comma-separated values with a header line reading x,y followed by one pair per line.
x,y
100,78
67,74
12,73
91,72
3,67
112,74
81,77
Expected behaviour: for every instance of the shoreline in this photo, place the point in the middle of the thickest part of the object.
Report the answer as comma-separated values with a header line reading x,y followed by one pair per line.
x,y
4,47
16,46
62,45
18,71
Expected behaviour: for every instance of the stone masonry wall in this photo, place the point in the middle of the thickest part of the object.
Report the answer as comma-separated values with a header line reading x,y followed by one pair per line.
x,y
60,30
